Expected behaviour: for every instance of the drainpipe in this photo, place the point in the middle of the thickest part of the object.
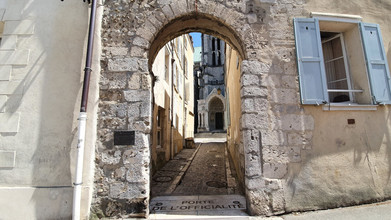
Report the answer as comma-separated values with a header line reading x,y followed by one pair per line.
x,y
172,103
83,118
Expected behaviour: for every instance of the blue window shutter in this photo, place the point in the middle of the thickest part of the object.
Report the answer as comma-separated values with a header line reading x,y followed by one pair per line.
x,y
312,77
376,60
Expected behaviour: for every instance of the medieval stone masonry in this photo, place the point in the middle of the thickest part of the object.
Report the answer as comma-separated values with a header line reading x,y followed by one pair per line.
x,y
302,136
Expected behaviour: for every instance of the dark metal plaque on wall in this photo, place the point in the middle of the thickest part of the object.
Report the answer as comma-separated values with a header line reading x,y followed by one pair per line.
x,y
124,137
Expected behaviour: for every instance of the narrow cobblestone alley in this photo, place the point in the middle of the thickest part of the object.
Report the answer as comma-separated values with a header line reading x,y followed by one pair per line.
x,y
198,181
204,170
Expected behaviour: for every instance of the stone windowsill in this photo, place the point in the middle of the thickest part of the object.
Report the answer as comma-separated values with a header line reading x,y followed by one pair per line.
x,y
348,107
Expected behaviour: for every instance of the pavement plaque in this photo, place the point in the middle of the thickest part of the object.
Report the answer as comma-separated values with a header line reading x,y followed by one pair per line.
x,y
197,203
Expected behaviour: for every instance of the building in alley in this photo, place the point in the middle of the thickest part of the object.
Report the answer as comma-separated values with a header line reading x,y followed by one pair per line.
x,y
211,107
173,114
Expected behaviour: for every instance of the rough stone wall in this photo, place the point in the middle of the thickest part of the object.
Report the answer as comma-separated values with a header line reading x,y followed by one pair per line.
x,y
122,172
274,125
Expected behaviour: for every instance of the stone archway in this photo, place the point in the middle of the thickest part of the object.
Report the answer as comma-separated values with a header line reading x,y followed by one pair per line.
x,y
132,33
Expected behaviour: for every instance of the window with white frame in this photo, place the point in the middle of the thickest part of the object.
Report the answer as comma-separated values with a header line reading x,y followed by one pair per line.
x,y
341,60
336,66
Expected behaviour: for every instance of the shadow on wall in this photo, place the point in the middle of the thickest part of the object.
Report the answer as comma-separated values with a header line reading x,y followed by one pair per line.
x,y
345,163
55,86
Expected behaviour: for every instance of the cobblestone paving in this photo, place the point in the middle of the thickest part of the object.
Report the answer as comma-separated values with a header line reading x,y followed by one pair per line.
x,y
206,174
200,171
165,178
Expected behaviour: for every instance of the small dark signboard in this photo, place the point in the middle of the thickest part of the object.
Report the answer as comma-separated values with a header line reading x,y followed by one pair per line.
x,y
124,137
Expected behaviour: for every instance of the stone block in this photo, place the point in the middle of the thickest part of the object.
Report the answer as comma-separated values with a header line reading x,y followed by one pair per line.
x,y
268,1
17,57
275,154
273,137
134,110
112,122
251,141
254,67
258,203
168,12
141,125
286,96
254,105
123,64
3,101
255,121
22,27
294,154
117,51
278,201
300,138
294,122
141,42
5,73
147,31
272,81
143,65
179,8
8,42
137,52
275,170
113,80
157,20
134,81
249,80
137,174
137,95
252,18
7,159
253,165
146,81
290,82
253,91
127,190
9,122
111,157
11,87
146,108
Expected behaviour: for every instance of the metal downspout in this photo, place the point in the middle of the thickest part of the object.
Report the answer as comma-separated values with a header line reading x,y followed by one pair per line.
x,y
83,118
172,103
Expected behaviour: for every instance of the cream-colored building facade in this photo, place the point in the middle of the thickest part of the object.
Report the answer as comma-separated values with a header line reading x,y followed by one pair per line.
x,y
173,71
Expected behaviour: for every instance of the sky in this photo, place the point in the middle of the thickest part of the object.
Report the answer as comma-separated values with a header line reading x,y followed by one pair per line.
x,y
196,39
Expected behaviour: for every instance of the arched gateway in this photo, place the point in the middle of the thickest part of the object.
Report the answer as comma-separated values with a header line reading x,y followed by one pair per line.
x,y
132,34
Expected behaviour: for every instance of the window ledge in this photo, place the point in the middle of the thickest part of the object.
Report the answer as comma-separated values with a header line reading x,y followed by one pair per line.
x,y
348,107
336,17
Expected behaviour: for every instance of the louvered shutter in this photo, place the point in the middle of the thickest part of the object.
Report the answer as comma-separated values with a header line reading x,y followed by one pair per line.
x,y
312,77
376,61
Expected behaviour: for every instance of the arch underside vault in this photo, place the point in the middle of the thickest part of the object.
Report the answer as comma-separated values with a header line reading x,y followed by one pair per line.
x,y
195,22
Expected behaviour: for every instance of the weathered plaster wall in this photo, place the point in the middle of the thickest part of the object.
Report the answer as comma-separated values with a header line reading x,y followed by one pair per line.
x,y
41,68
345,164
234,139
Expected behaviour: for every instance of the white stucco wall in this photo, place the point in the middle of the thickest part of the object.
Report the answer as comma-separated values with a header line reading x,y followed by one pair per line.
x,y
43,55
